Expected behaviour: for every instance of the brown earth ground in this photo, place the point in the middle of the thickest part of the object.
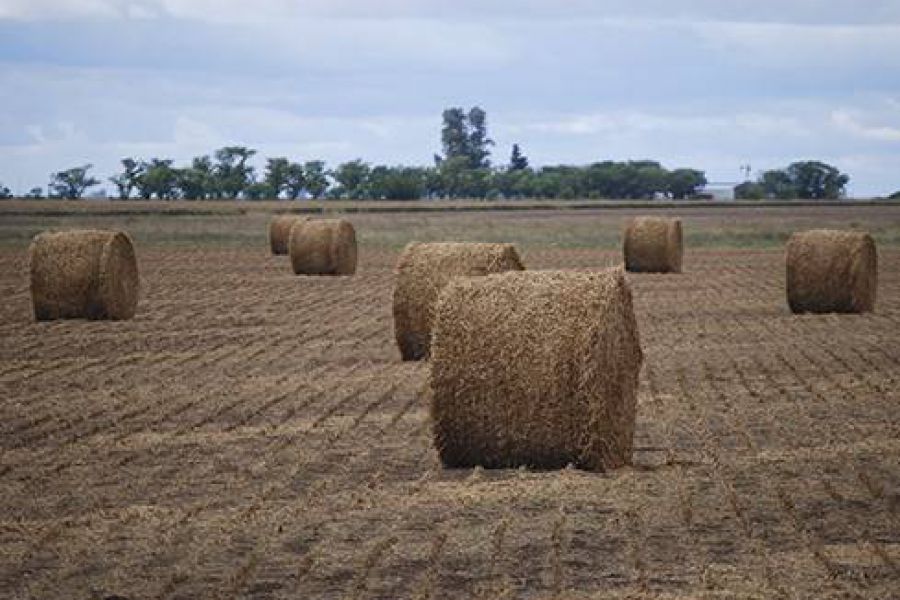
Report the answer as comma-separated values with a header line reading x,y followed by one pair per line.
x,y
254,434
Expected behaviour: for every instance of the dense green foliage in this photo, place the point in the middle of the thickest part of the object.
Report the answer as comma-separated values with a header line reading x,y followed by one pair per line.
x,y
807,180
517,160
464,135
463,170
451,177
72,183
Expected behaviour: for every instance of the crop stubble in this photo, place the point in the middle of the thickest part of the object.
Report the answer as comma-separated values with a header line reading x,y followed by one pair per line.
x,y
252,433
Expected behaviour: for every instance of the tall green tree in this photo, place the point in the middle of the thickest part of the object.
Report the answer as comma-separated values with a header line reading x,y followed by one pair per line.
x,y
126,181
352,178
465,134
749,190
684,183
316,178
296,181
815,180
514,183
258,190
5,193
396,183
458,180
604,179
72,183
277,175
548,183
198,181
431,180
454,175
232,173
455,133
517,160
778,184
646,178
479,142
158,179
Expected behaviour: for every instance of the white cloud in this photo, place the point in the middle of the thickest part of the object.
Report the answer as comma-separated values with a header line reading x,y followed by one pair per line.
x,y
52,134
708,84
139,11
853,123
59,9
189,132
242,11
36,133
357,45
218,124
793,46
764,133
775,125
636,122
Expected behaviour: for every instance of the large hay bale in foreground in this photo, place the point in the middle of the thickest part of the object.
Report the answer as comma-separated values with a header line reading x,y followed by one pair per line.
x,y
535,368
653,245
325,247
422,272
83,274
831,271
280,232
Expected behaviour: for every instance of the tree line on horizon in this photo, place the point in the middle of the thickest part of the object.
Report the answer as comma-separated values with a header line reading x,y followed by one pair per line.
x,y
463,170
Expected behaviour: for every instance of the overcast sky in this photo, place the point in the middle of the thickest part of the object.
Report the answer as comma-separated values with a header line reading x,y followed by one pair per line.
x,y
710,84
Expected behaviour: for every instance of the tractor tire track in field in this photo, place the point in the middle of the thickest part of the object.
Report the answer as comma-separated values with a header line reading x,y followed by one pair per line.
x,y
254,434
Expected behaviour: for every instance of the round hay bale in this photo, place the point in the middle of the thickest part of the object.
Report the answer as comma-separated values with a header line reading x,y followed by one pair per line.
x,y
537,369
83,274
280,231
831,271
422,272
653,245
326,247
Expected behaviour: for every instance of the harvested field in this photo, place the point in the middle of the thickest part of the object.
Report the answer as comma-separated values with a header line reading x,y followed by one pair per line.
x,y
254,434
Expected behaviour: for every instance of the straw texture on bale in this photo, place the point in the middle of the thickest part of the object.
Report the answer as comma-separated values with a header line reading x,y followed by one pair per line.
x,y
831,271
653,245
326,247
537,369
280,231
83,274
422,272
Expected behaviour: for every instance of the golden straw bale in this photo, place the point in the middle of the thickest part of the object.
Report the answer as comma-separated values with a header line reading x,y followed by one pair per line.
x,y
653,245
831,271
280,231
535,368
324,247
83,274
422,272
